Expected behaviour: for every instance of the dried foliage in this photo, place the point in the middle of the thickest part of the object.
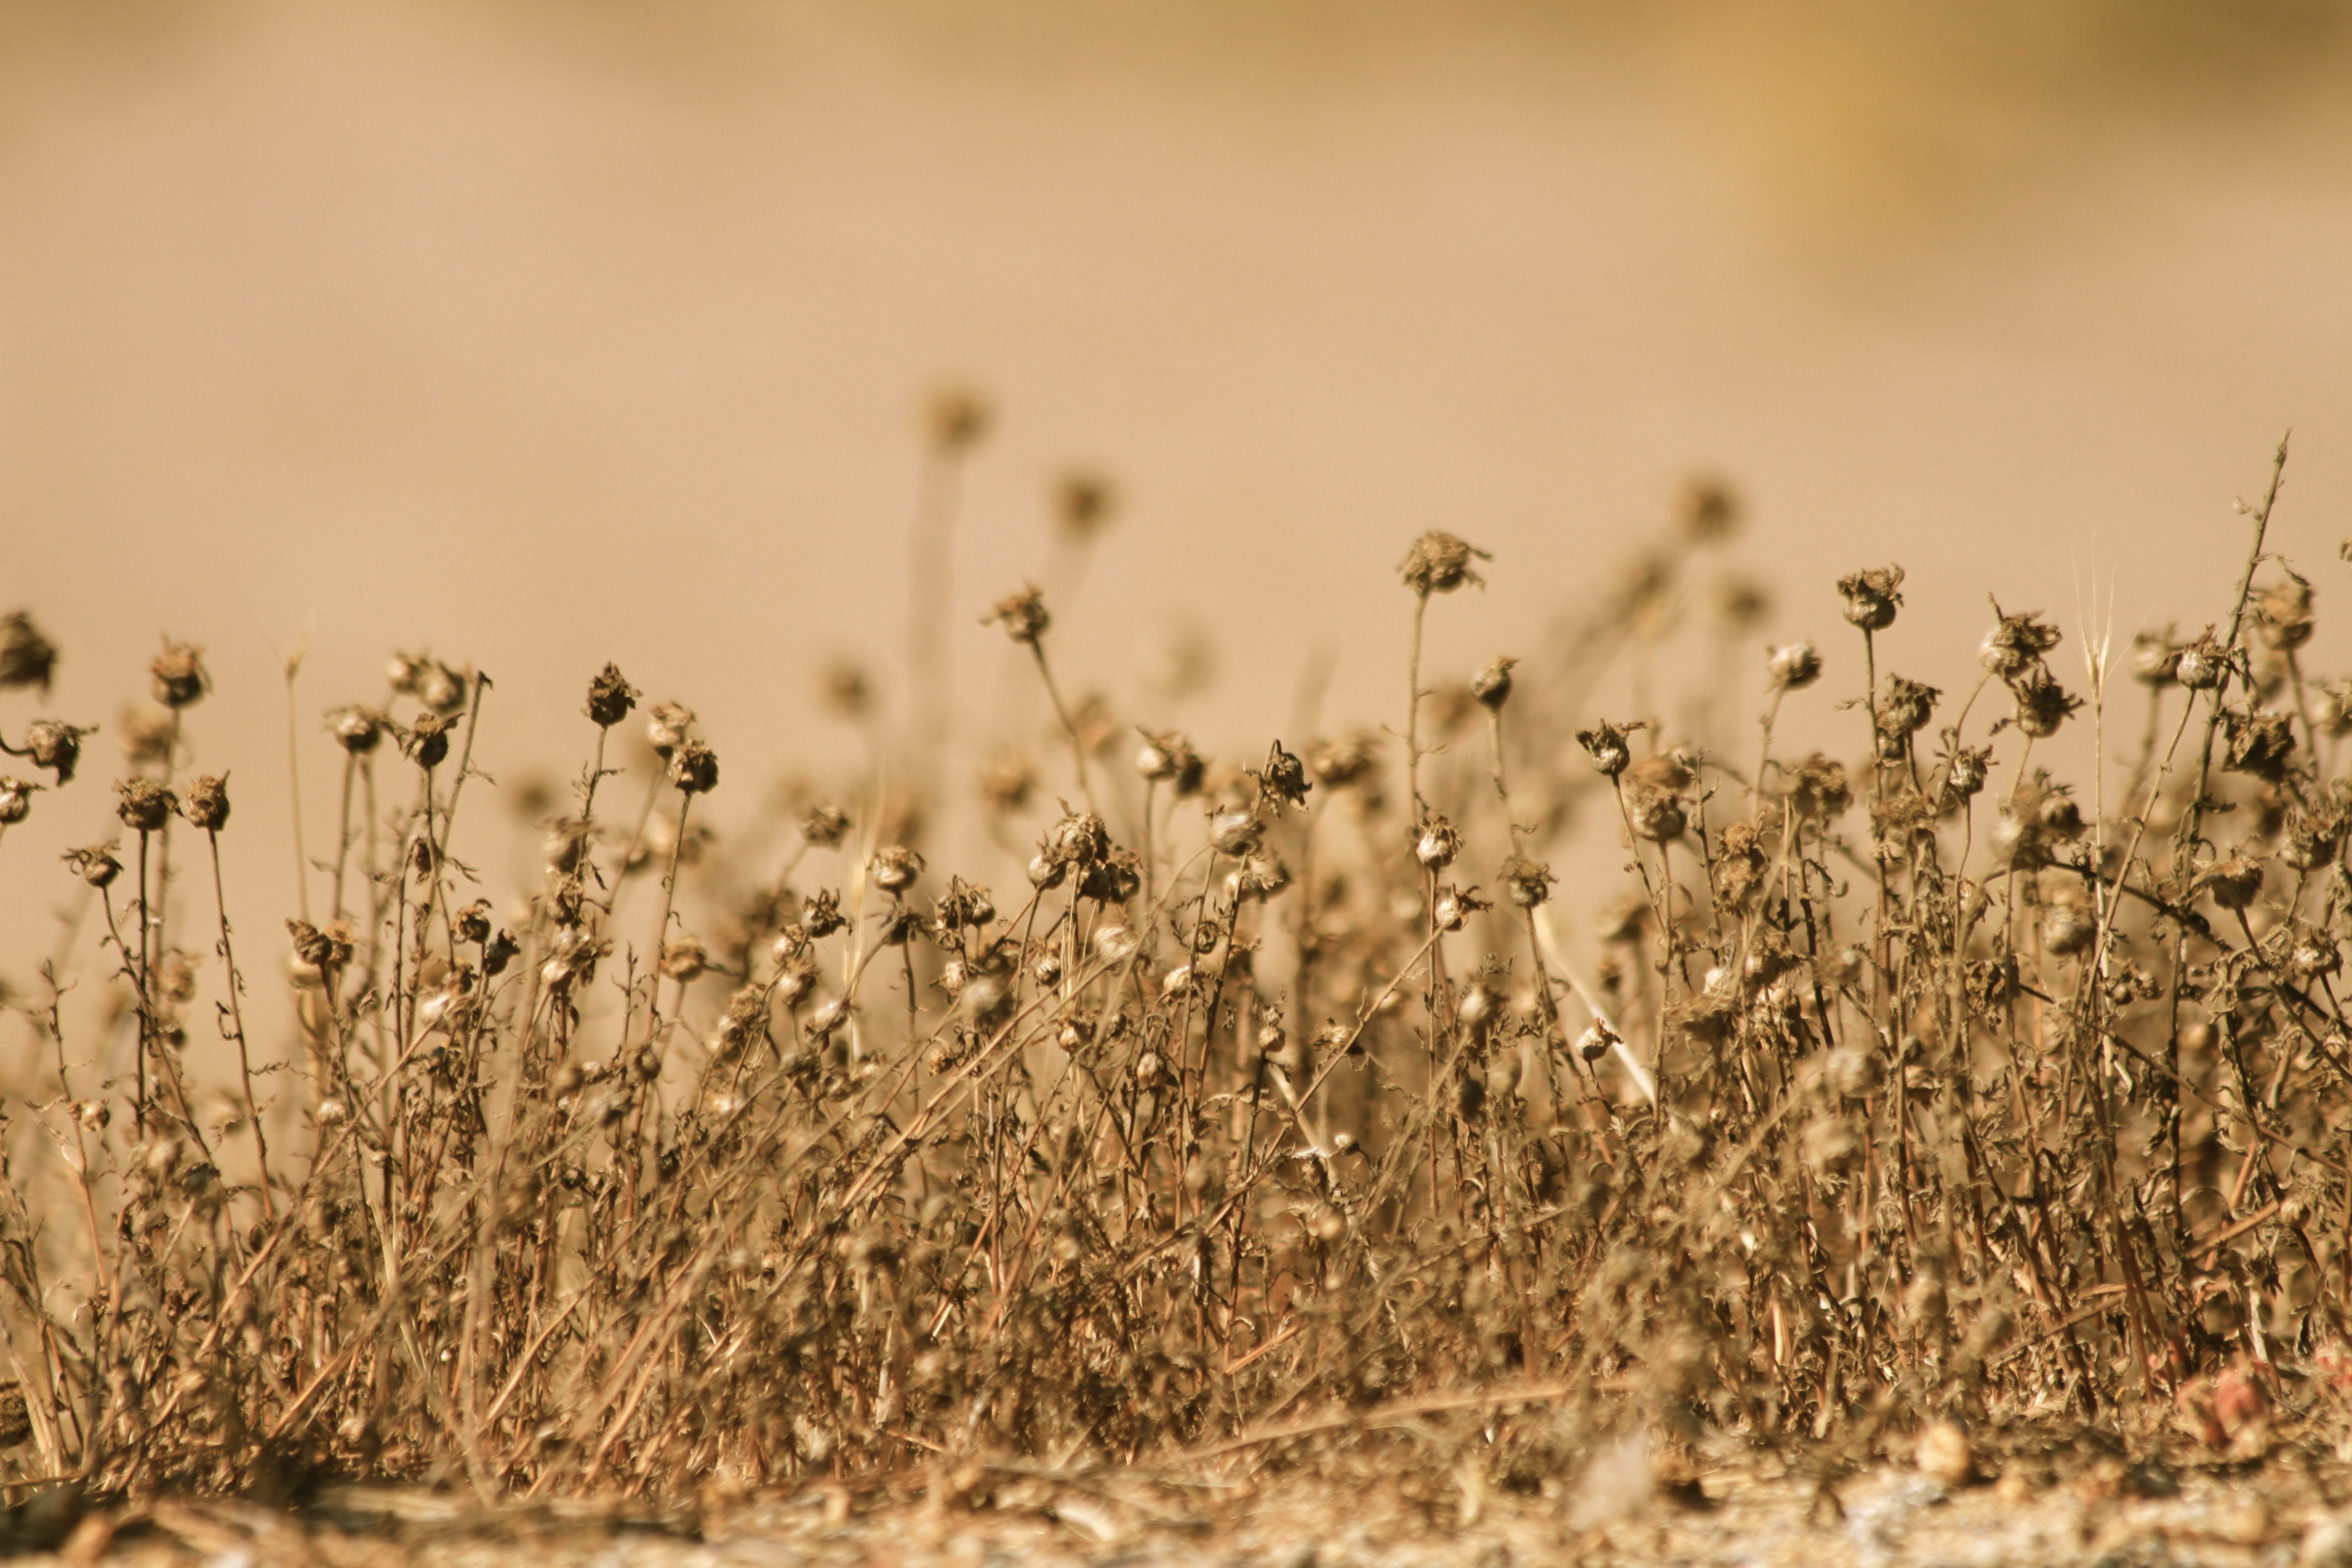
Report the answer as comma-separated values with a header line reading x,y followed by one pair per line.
x,y
1914,1090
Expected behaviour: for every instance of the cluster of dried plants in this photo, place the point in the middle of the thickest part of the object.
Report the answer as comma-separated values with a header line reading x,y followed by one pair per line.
x,y
1268,1110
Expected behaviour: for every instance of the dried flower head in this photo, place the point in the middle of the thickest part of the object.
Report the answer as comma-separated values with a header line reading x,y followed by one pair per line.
x,y
1439,563
53,744
1605,744
1079,838
179,672
2041,704
1904,706
1873,596
325,948
1525,882
1492,685
1658,817
472,923
1708,509
2234,883
439,688
956,418
685,958
144,805
965,907
1452,906
427,742
693,768
896,868
609,697
2285,614
1084,503
95,864
206,805
26,658
356,729
1351,759
15,800
1007,782
1438,843
1168,757
1817,790
1283,781
666,724
2154,656
1023,615
2016,643
2201,663
2261,743
1794,665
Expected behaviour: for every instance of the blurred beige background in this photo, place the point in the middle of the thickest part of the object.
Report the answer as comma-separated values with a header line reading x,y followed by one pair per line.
x,y
540,335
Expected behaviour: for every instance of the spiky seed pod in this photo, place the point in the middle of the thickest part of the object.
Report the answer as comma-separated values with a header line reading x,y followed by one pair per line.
x,y
1283,781
440,688
1794,665
1167,757
95,864
15,800
357,730
1605,744
2041,704
2016,643
2067,931
1526,883
666,724
2234,883
1492,685
1438,844
2285,612
207,804
1905,707
179,672
1234,832
56,745
896,868
684,959
1965,774
1452,906
1439,563
2202,664
821,915
609,697
824,825
1079,838
144,804
1873,596
1023,615
694,768
26,658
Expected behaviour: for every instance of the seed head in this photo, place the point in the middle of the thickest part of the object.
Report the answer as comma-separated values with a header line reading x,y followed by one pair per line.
x,y
144,805
2041,704
1438,844
1167,757
1819,791
95,864
207,803
1351,759
323,948
684,959
1795,666
1492,685
1439,563
821,915
2285,614
2234,882
357,730
1115,944
1454,906
666,727
2067,931
1872,597
694,768
15,800
1258,877
26,658
2016,643
1283,781
1079,838
956,418
1113,880
609,697
1234,832
2201,665
1965,776
473,922
439,688
1083,502
1709,509
1657,815
180,677
1905,707
1007,782
824,825
1023,615
1525,882
56,745
427,742
896,868
965,905
2154,657
1605,744
2261,743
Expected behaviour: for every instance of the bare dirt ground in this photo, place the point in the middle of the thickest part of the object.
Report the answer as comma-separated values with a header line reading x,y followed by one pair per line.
x,y
2064,1505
